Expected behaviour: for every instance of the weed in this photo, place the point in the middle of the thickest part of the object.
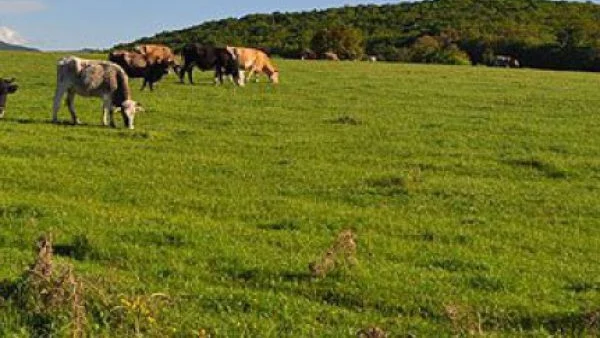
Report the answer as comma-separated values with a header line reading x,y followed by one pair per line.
x,y
464,320
371,332
50,298
341,253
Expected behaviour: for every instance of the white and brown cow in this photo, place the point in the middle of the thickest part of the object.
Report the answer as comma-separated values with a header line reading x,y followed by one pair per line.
x,y
94,78
255,61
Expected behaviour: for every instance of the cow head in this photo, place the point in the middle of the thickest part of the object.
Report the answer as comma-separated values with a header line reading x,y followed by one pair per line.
x,y
128,109
274,77
6,87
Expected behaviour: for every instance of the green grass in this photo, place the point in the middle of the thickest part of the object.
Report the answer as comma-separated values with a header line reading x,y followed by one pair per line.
x,y
469,188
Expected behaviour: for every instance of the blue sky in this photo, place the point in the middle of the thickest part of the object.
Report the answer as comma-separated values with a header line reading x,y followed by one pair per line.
x,y
74,24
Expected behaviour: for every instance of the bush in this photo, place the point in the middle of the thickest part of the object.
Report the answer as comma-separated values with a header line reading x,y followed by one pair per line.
x,y
429,49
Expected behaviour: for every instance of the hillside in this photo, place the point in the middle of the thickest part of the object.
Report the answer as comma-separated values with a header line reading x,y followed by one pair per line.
x,y
542,33
8,46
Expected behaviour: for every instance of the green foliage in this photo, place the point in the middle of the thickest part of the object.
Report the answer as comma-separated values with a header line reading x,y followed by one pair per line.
x,y
540,33
473,193
428,49
346,42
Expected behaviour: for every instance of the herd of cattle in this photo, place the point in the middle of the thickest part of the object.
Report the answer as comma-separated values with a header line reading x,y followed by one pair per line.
x,y
109,80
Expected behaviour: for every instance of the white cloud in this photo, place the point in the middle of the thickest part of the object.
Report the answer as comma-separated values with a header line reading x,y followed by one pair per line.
x,y
11,36
20,6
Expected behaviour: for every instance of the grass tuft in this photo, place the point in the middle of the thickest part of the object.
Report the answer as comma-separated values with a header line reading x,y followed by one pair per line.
x,y
546,168
349,120
81,248
287,224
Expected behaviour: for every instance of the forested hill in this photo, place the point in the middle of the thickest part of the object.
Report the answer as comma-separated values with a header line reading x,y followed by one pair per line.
x,y
541,33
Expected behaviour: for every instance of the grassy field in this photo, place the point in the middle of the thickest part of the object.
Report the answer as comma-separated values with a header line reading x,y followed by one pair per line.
x,y
474,194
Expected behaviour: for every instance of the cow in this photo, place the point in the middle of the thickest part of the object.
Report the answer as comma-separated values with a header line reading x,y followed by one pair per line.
x,y
7,86
331,56
159,53
94,78
255,61
506,61
137,65
308,54
208,57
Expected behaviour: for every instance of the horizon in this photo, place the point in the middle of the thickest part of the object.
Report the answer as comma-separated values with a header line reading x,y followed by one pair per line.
x,y
40,24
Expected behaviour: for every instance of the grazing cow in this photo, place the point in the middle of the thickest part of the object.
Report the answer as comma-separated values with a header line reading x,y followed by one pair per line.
x,y
208,57
137,65
331,56
255,61
506,61
372,58
94,78
7,86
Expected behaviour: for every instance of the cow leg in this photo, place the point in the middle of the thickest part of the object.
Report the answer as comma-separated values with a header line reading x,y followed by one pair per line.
x,y
189,72
189,69
151,86
58,95
111,116
252,73
71,105
105,109
144,85
109,109
218,75
185,69
241,78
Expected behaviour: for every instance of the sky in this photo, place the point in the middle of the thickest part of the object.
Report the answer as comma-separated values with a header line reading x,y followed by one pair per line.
x,y
77,24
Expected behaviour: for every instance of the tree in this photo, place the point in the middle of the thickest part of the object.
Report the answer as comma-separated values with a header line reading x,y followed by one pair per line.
x,y
346,42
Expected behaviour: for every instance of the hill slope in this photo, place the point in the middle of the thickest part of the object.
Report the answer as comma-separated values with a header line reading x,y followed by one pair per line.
x,y
8,46
473,192
543,33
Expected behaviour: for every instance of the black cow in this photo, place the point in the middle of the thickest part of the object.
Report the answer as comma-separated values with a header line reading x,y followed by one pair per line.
x,y
6,87
137,65
209,57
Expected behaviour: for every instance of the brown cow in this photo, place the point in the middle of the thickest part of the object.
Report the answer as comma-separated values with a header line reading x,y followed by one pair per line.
x,y
156,53
255,61
137,65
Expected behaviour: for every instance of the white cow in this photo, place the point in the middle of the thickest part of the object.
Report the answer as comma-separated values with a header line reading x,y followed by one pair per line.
x,y
94,78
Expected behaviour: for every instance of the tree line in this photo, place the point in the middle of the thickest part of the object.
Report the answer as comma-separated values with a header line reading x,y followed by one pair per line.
x,y
540,33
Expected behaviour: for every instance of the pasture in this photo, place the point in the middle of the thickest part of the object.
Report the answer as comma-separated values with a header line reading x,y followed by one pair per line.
x,y
474,194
